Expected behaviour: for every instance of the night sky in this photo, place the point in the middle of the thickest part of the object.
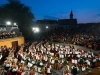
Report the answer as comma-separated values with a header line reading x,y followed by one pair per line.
x,y
84,10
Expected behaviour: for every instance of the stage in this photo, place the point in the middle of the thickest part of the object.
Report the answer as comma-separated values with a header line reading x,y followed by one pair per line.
x,y
11,42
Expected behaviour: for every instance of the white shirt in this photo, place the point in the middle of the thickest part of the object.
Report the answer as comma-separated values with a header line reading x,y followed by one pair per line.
x,y
94,60
61,52
78,55
88,62
22,61
83,68
24,73
0,57
49,69
52,61
46,59
8,65
39,69
29,64
0,49
15,69
33,62
41,63
37,57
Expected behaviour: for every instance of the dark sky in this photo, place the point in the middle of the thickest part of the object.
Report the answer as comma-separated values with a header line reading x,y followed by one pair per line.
x,y
84,10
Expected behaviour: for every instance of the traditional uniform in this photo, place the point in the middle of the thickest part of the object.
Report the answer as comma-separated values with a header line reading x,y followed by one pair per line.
x,y
56,65
61,54
81,61
48,69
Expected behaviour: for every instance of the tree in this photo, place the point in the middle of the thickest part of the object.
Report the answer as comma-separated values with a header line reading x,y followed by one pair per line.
x,y
15,11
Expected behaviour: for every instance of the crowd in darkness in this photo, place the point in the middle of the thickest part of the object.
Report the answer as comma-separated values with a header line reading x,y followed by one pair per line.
x,y
59,35
84,36
4,35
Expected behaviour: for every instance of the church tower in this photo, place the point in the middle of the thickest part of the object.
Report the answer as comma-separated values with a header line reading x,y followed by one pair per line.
x,y
71,15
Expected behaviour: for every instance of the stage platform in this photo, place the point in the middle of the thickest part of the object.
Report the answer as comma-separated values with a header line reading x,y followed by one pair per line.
x,y
11,42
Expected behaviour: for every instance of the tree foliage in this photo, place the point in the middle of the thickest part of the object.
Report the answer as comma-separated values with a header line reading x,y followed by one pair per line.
x,y
15,11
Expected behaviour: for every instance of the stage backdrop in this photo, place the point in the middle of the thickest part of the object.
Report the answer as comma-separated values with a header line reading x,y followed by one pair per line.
x,y
11,42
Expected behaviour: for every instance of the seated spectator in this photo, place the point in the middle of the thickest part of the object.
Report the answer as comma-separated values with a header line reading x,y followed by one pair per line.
x,y
5,35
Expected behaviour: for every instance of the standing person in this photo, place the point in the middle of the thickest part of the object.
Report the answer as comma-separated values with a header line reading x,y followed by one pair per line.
x,y
48,68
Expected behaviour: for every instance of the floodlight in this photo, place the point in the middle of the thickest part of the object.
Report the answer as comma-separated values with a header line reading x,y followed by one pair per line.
x,y
14,23
8,23
46,27
35,29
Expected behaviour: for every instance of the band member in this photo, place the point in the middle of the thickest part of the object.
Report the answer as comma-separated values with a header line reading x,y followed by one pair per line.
x,y
48,68
56,64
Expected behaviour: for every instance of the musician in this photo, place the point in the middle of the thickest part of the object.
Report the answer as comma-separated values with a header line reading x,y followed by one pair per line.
x,y
48,68
75,69
56,64
14,69
67,71
1,56
83,68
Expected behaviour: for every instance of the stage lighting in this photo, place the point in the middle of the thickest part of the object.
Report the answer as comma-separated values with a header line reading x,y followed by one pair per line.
x,y
35,29
8,23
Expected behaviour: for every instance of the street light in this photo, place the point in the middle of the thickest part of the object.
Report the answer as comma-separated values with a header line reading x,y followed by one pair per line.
x,y
8,23
35,29
46,27
15,24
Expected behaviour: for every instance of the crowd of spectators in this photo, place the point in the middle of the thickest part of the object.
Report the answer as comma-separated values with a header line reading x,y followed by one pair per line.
x,y
5,35
87,37
84,36
85,40
59,35
42,58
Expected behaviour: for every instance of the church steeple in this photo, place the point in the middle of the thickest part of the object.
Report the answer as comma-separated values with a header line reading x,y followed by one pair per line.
x,y
71,15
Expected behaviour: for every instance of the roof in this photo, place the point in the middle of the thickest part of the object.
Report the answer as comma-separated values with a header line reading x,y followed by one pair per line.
x,y
46,22
67,21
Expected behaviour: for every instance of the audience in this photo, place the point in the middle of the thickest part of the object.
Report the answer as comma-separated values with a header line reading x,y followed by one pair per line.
x,y
5,35
41,58
85,36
